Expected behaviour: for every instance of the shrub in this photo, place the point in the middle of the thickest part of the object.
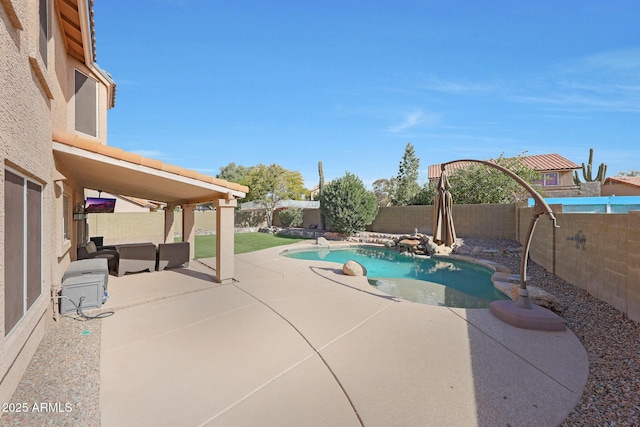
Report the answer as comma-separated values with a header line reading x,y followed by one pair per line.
x,y
291,217
348,205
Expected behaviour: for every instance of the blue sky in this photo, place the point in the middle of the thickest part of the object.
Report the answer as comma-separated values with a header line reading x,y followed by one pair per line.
x,y
202,83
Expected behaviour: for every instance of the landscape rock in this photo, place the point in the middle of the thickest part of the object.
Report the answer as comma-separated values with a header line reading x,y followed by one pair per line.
x,y
322,242
354,268
539,297
430,247
412,243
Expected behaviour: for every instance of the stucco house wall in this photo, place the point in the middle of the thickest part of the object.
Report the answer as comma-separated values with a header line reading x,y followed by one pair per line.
x,y
25,148
36,96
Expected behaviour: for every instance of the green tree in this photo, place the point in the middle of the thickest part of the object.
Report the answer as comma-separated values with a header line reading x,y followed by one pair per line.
x,y
234,173
629,173
408,185
291,217
348,205
385,190
270,184
478,183
426,194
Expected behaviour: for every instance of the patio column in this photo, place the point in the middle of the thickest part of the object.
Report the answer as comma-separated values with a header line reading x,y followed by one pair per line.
x,y
169,223
225,230
189,229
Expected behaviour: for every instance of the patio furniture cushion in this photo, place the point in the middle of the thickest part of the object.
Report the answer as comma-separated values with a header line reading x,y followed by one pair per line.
x,y
89,251
91,247
136,257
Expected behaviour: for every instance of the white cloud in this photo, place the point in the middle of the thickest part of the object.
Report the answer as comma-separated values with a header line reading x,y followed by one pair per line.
x,y
413,119
454,87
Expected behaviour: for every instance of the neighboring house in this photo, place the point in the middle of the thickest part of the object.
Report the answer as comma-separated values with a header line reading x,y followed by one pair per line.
x,y
53,134
556,170
621,186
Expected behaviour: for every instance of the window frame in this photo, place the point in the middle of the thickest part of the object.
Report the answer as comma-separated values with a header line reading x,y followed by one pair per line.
x,y
66,218
43,34
30,295
77,96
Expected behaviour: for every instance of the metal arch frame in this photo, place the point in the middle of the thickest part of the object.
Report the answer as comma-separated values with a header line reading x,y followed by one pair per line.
x,y
541,208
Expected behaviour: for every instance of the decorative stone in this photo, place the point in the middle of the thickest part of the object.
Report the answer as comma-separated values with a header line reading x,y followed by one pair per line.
x,y
430,247
412,243
539,297
464,250
322,242
354,268
444,250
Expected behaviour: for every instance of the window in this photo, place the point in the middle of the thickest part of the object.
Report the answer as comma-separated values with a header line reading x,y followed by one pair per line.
x,y
66,212
86,99
548,179
22,246
44,29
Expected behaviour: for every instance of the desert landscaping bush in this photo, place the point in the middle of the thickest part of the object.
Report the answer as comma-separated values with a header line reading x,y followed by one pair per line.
x,y
291,217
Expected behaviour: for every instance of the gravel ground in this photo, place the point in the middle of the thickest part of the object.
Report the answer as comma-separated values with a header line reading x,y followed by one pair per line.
x,y
612,393
64,374
61,385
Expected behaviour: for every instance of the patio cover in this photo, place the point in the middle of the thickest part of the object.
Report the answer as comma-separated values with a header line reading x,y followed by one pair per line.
x,y
113,170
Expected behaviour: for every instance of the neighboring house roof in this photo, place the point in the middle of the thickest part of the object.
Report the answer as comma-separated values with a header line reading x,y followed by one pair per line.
x,y
282,204
628,180
539,162
142,202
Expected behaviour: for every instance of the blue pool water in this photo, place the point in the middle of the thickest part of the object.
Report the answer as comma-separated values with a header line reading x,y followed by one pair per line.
x,y
434,281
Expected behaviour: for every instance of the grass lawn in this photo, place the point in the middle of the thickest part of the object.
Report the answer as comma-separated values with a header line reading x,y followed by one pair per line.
x,y
244,242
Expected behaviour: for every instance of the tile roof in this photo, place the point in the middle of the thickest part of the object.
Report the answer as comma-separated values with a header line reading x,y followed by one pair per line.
x,y
539,162
97,147
630,180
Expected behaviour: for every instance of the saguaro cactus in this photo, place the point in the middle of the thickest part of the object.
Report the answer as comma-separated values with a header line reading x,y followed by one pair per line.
x,y
587,171
320,188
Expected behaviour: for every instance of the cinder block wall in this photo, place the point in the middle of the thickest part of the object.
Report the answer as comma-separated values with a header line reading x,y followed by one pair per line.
x,y
128,227
490,220
596,252
486,220
403,219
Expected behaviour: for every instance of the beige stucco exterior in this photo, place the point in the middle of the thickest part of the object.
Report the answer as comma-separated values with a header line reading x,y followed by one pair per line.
x,y
39,143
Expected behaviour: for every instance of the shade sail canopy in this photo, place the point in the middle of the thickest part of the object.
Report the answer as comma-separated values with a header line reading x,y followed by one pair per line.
x,y
105,168
444,231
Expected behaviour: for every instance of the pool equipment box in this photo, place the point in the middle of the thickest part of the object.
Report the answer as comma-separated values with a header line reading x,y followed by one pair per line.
x,y
89,286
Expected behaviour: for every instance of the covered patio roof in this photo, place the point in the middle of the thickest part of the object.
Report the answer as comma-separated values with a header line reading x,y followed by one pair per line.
x,y
105,168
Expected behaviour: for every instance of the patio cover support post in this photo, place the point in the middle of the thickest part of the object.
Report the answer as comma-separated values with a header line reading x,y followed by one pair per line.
x,y
225,229
169,223
189,229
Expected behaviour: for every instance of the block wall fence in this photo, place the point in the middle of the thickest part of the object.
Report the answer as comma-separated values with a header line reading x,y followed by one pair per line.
x,y
596,252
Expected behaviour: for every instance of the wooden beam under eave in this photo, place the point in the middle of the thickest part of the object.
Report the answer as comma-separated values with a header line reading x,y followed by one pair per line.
x,y
11,14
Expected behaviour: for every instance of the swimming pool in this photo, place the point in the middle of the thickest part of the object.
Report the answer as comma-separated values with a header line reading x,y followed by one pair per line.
x,y
434,281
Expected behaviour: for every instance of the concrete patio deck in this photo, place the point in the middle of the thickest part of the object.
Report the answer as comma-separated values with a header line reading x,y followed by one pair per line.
x,y
298,343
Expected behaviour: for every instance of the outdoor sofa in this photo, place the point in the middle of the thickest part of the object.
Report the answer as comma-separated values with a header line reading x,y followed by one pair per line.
x,y
171,255
136,257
